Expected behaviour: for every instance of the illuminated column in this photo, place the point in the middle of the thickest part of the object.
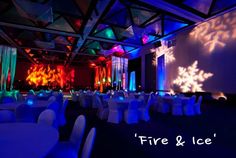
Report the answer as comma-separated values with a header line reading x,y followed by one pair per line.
x,y
132,82
143,71
160,68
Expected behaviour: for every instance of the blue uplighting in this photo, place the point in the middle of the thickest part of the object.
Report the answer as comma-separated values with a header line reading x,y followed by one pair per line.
x,y
161,74
121,98
132,82
40,94
30,102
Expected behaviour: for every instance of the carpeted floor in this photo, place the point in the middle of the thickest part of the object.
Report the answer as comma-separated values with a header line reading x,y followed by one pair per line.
x,y
119,141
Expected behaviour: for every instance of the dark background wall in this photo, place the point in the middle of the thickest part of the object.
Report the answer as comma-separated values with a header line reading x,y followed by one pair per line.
x,y
150,73
135,65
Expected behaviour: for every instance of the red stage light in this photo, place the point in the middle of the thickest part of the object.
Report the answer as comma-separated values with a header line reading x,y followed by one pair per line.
x,y
27,50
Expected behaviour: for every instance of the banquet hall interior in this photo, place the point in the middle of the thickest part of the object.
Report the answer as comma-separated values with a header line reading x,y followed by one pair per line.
x,y
117,78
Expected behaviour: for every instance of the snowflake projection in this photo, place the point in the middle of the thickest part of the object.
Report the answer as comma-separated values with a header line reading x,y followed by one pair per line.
x,y
191,79
163,49
216,32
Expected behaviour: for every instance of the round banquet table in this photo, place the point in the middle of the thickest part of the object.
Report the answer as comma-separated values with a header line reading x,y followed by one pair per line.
x,y
26,140
14,105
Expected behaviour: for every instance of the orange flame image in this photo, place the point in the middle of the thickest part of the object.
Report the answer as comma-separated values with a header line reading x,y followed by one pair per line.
x,y
41,75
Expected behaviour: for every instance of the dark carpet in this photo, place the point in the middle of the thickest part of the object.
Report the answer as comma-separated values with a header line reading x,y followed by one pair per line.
x,y
119,141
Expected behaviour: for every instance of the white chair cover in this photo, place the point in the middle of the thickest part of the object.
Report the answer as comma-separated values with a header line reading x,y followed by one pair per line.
x,y
115,113
96,101
87,148
177,108
78,132
188,108
102,112
143,112
70,148
197,106
83,101
47,117
131,114
61,115
75,97
163,105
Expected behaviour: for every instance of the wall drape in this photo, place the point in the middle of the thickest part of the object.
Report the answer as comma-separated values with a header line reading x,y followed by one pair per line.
x,y
13,66
8,61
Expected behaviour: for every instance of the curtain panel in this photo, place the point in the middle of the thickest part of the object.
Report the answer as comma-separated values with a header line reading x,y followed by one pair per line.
x,y
8,57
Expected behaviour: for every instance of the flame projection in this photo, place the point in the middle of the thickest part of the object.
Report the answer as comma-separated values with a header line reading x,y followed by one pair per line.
x,y
163,49
103,75
47,75
190,79
216,32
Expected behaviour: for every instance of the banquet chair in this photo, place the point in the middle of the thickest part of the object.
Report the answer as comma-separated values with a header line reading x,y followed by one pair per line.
x,y
75,97
118,94
59,98
197,106
24,113
163,105
189,107
55,106
47,117
82,100
131,114
7,116
141,101
115,113
88,145
52,99
131,96
61,116
103,111
143,111
70,149
95,101
177,108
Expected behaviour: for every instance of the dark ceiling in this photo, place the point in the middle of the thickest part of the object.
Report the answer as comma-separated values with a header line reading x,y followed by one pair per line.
x,y
75,31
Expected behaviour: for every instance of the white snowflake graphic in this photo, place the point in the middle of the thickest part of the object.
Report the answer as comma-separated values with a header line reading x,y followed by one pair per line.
x,y
163,49
191,79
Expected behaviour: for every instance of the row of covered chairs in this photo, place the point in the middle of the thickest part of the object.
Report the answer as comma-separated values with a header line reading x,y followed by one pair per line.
x,y
190,108
137,110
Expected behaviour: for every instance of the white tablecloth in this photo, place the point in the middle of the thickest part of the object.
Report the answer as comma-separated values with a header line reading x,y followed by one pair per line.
x,y
26,140
14,105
